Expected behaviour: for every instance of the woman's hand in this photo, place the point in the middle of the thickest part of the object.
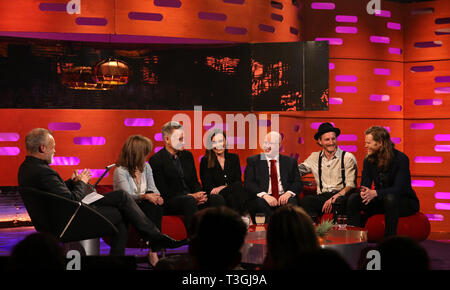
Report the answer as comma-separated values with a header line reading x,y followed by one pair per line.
x,y
367,194
216,190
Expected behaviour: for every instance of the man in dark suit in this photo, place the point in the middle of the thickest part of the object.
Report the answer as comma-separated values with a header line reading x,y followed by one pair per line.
x,y
176,177
271,179
116,206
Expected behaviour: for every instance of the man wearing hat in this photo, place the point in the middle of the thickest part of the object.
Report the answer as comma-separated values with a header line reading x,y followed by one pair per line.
x,y
334,171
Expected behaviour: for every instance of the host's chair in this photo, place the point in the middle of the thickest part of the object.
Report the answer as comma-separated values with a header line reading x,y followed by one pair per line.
x,y
67,220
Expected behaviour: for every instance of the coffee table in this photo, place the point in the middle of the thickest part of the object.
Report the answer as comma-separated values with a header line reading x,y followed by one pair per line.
x,y
348,242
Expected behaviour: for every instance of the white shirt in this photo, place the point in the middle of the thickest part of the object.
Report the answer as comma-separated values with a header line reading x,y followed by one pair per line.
x,y
280,186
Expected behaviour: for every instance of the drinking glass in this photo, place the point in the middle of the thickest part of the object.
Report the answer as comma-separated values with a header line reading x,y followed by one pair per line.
x,y
342,222
260,218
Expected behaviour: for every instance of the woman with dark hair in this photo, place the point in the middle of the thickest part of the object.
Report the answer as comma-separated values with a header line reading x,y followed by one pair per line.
x,y
290,236
134,176
388,170
220,172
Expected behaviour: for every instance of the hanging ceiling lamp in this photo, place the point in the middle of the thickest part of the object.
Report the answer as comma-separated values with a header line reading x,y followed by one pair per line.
x,y
81,78
111,72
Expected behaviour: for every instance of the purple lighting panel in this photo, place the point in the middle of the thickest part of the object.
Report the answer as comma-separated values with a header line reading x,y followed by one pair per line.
x,y
380,98
395,108
9,151
139,122
347,137
9,136
346,78
422,183
331,66
55,7
346,89
423,68
443,79
442,206
380,39
442,90
212,16
346,18
348,148
64,126
145,16
346,29
422,126
91,21
442,137
442,148
394,83
442,195
382,71
158,137
323,5
65,161
157,148
89,140
394,25
428,102
395,50
168,3
336,101
428,159
435,217
383,13
396,140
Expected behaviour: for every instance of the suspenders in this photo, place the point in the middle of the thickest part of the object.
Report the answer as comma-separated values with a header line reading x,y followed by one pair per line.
x,y
342,169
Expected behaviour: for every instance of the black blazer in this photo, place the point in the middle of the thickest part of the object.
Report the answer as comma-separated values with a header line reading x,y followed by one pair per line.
x,y
256,175
396,180
167,178
215,176
36,173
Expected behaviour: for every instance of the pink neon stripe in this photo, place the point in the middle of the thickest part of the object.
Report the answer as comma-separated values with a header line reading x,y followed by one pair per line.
x,y
346,29
380,98
442,137
394,83
9,136
435,217
428,102
442,195
396,140
383,13
395,108
139,122
422,126
346,78
349,148
422,183
346,89
380,39
323,5
382,71
9,151
347,137
157,148
158,137
442,148
336,101
96,173
428,159
395,50
65,161
394,25
331,66
346,18
442,206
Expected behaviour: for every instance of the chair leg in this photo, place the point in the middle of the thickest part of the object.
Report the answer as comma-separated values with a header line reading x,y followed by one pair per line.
x,y
91,247
163,253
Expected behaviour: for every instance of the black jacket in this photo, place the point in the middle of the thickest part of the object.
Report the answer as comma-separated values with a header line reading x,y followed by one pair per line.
x,y
395,180
36,173
256,176
167,178
215,176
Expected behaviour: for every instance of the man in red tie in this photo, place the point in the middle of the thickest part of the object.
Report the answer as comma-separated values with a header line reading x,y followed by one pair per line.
x,y
270,178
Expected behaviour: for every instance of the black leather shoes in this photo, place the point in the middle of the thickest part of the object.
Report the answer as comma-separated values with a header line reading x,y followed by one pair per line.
x,y
166,242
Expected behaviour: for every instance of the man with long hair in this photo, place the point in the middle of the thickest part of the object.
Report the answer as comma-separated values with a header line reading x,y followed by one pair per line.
x,y
388,170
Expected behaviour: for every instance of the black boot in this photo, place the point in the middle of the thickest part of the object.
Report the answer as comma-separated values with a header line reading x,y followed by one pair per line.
x,y
166,242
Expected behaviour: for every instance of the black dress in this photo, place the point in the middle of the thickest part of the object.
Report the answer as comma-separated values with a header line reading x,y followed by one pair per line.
x,y
234,194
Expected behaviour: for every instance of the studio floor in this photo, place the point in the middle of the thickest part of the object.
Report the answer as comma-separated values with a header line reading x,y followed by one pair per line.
x,y
437,247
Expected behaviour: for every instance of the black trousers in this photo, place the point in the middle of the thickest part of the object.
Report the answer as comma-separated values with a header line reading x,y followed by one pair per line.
x,y
313,204
260,205
392,205
153,211
186,205
235,197
120,209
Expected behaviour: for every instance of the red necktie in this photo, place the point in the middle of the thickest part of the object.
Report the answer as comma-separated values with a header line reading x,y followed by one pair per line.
x,y
274,179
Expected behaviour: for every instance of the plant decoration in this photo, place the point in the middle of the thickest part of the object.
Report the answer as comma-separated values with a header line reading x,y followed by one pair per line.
x,y
322,230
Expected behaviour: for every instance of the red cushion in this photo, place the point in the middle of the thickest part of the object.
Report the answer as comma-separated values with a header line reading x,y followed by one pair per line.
x,y
416,226
173,226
